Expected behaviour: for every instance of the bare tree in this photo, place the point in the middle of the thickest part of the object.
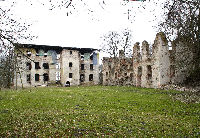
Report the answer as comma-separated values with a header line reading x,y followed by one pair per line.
x,y
115,41
11,32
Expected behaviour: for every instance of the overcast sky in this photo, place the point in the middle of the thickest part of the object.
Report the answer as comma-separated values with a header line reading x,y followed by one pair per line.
x,y
87,23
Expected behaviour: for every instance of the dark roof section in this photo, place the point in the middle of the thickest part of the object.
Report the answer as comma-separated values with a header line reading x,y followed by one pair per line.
x,y
58,49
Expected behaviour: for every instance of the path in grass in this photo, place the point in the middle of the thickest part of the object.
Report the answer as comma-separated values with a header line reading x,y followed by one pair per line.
x,y
96,111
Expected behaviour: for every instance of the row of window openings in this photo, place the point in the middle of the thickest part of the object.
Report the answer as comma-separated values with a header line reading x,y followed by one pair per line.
x,y
37,66
46,77
82,66
46,66
37,77
45,54
58,55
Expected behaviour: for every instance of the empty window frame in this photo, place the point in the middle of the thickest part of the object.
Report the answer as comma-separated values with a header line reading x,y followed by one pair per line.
x,y
70,52
82,77
91,77
37,77
57,76
37,66
70,75
91,57
115,75
45,65
82,56
70,64
28,78
45,54
125,74
57,65
82,66
106,74
45,77
131,76
58,56
28,65
91,66
28,53
149,72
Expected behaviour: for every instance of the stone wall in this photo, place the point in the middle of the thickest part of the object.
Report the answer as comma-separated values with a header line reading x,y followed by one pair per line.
x,y
151,68
118,70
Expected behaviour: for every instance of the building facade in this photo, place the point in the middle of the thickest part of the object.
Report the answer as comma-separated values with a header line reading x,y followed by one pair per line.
x,y
48,65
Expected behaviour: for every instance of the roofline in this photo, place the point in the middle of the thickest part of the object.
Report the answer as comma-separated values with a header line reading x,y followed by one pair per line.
x,y
59,48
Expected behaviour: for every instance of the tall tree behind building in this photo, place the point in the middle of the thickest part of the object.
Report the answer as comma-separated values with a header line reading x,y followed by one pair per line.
x,y
114,41
182,21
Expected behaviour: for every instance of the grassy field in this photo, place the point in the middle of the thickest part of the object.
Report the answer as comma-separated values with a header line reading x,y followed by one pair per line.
x,y
96,111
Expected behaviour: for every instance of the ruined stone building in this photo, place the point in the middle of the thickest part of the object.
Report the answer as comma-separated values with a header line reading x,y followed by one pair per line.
x,y
117,70
150,67
48,65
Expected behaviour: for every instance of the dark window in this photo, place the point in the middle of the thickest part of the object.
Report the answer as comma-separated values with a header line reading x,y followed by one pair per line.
x,y
149,72
106,74
140,71
91,77
91,57
131,76
70,64
28,64
37,77
37,66
28,53
125,74
82,77
37,52
91,66
46,65
82,67
70,52
70,75
28,77
45,54
46,77
115,75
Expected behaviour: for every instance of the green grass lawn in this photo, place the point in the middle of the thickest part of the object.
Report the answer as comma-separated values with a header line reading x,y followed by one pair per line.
x,y
96,111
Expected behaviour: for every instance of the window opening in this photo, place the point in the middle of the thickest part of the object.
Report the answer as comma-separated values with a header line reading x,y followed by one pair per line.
x,y
70,64
91,66
28,78
46,65
28,64
70,75
149,72
91,57
45,77
37,66
28,53
82,77
57,76
37,77
91,77
45,54
70,52
82,66
57,65
115,75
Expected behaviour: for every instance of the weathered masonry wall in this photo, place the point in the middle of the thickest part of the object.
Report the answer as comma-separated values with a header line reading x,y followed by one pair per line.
x,y
118,70
49,65
151,67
